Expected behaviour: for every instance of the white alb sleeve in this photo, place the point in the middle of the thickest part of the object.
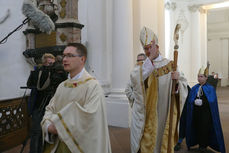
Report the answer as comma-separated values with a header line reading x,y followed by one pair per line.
x,y
147,68
48,136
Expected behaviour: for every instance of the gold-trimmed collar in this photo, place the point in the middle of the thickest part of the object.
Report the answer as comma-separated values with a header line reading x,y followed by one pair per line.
x,y
163,70
74,84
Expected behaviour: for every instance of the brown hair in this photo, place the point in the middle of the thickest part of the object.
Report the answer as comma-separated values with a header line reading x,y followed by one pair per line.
x,y
80,48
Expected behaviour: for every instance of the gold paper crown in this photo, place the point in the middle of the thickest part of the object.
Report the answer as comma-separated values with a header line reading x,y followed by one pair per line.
x,y
204,71
147,36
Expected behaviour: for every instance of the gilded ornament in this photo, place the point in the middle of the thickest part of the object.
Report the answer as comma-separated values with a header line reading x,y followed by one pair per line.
x,y
63,3
63,37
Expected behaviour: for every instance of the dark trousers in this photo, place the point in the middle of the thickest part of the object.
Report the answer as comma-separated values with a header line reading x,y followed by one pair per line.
x,y
36,132
202,124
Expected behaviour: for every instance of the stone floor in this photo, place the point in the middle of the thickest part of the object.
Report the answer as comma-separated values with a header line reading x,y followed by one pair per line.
x,y
120,136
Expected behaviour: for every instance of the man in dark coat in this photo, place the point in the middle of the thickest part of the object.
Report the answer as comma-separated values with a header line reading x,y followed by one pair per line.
x,y
43,82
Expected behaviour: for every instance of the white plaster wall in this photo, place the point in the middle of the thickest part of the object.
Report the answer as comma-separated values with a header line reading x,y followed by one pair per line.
x,y
218,58
14,69
218,48
149,13
161,25
137,48
214,55
224,62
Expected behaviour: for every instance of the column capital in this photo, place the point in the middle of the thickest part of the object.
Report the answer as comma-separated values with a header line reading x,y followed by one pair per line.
x,y
196,7
170,6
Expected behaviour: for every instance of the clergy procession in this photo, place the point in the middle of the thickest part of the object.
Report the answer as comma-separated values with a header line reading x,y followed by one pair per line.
x,y
74,99
74,120
150,93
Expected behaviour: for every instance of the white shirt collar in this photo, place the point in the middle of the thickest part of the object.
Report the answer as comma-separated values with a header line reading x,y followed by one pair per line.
x,y
159,58
77,76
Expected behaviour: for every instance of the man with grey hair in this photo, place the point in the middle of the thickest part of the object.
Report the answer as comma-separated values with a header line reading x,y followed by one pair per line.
x,y
129,89
141,57
152,84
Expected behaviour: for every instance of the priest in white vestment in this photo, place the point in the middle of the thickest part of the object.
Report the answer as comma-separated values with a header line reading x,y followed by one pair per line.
x,y
75,120
151,98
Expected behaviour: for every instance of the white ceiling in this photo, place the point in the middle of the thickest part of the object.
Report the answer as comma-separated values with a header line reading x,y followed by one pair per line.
x,y
200,1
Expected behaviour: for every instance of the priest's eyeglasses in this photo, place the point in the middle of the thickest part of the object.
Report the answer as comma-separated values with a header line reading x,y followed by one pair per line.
x,y
71,55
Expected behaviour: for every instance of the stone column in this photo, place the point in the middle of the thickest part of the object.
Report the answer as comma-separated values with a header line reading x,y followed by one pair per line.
x,y
198,42
95,19
195,47
122,62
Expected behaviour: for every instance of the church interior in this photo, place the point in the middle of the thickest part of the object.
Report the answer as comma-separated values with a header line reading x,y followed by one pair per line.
x,y
110,30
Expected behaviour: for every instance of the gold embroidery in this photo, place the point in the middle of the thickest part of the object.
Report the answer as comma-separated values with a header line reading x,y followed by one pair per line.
x,y
163,70
148,140
76,84
140,63
69,132
146,36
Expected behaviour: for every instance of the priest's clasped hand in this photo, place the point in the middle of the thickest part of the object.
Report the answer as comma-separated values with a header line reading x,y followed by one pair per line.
x,y
52,129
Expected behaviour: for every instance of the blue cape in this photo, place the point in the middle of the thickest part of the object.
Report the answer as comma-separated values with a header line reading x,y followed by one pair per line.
x,y
216,138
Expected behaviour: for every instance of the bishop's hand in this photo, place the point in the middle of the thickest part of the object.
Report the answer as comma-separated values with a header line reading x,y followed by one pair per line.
x,y
175,75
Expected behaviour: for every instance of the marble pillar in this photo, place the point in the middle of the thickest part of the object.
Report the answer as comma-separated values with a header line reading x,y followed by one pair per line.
x,y
122,62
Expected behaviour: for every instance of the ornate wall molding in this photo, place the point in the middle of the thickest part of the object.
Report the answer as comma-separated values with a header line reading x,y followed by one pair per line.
x,y
183,21
170,6
63,8
196,7
5,17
